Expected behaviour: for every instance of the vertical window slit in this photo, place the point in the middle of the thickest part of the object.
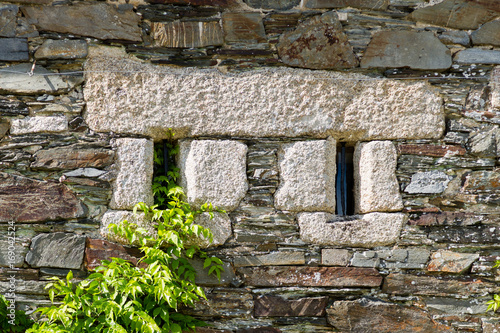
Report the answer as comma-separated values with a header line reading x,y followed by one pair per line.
x,y
345,180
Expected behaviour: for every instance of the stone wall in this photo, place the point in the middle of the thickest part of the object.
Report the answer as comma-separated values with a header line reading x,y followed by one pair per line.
x,y
260,93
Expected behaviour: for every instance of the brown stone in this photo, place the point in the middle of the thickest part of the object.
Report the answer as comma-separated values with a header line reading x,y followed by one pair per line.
x,y
98,20
243,28
487,34
363,4
72,157
186,34
431,150
318,43
98,250
373,316
274,306
451,262
458,14
447,218
403,284
4,127
29,200
34,2
62,49
301,276
221,3
222,302
19,273
482,182
420,50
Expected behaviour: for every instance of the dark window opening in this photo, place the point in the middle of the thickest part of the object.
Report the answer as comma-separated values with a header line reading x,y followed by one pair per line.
x,y
344,194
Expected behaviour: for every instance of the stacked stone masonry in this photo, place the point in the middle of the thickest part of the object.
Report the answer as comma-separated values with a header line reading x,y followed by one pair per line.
x,y
260,95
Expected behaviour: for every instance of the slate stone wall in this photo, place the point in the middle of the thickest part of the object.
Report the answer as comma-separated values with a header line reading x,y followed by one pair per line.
x,y
260,93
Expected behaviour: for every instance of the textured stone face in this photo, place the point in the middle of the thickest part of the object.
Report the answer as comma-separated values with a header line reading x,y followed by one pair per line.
x,y
72,157
370,230
417,50
38,124
280,258
187,34
19,83
62,49
451,262
28,200
220,226
99,20
376,187
487,34
428,182
273,306
368,4
8,19
335,257
14,49
495,87
273,4
307,172
116,217
243,27
366,315
213,172
97,250
459,14
135,173
318,43
58,250
478,56
199,102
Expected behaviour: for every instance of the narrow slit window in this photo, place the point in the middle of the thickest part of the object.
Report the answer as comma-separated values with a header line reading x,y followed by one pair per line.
x,y
344,194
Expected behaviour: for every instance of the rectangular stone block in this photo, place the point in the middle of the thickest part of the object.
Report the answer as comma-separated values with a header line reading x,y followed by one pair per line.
x,y
14,49
116,217
335,257
51,124
58,250
223,302
186,34
431,150
16,245
134,162
280,258
376,187
275,306
213,172
364,4
307,176
448,218
243,28
303,276
72,157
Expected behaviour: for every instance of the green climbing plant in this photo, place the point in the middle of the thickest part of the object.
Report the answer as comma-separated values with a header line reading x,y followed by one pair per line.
x,y
494,304
121,297
11,320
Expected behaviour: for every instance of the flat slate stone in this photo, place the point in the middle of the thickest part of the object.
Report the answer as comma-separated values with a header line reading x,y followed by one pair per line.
x,y
72,157
451,262
458,14
17,81
273,4
275,306
8,21
97,250
487,34
478,56
363,4
428,182
98,20
195,102
21,247
29,200
186,34
13,107
318,43
62,49
14,49
243,28
454,37
420,50
58,250
370,316
4,127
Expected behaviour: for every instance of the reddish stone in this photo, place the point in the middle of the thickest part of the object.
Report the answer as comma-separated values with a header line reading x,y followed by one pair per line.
x,y
98,250
482,182
72,158
302,276
447,218
29,200
431,150
274,306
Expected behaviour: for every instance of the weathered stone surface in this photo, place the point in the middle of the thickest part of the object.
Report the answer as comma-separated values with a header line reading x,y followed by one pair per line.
x,y
482,182
20,273
458,14
485,142
195,2
451,262
490,325
8,19
13,107
454,306
223,302
403,284
17,81
495,92
116,217
428,182
275,306
186,34
411,258
415,49
317,104
72,157
431,150
59,250
374,229
335,257
281,258
376,188
481,234
62,49
213,172
97,250
367,315
273,4
303,276
318,43
51,124
307,176
28,200
17,245
98,20
447,218
134,160
243,28
220,226
14,49
454,37
227,277
85,172
477,56
488,34
4,127
364,4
